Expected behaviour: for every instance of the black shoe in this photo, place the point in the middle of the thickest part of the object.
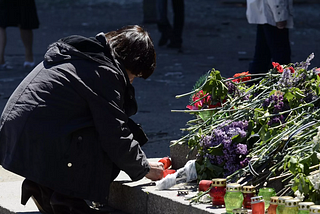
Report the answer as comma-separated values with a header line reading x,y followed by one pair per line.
x,y
40,195
163,40
174,45
62,204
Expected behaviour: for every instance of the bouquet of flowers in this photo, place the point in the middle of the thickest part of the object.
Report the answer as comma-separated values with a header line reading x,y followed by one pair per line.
x,y
257,128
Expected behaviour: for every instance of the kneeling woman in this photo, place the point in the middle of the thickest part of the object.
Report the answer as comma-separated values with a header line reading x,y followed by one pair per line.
x,y
66,127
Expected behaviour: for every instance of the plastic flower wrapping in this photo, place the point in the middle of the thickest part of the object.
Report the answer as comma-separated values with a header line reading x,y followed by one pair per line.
x,y
258,129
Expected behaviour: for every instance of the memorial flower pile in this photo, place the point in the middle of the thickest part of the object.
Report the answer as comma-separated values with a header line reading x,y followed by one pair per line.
x,y
257,128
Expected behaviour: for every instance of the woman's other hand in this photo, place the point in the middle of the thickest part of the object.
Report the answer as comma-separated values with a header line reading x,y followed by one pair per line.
x,y
156,171
281,25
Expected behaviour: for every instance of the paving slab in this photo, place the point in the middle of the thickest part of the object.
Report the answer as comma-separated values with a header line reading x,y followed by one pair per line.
x,y
10,193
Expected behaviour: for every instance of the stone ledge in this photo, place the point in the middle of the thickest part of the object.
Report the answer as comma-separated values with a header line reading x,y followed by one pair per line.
x,y
179,154
142,197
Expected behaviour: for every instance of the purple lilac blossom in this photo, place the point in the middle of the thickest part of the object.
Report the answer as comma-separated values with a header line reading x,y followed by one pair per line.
x,y
241,149
206,141
266,103
304,65
310,96
299,79
231,153
246,97
244,162
286,78
275,101
231,87
276,120
233,90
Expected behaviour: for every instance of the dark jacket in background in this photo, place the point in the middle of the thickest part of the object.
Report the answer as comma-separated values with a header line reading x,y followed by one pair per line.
x,y
65,126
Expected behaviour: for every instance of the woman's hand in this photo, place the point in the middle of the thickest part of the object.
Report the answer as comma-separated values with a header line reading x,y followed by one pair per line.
x,y
281,25
156,171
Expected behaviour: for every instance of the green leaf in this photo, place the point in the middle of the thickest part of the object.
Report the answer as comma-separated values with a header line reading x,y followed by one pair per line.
x,y
250,128
272,92
237,139
216,150
288,96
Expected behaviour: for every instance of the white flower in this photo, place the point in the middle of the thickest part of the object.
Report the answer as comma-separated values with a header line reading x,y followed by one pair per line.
x,y
316,139
315,181
299,195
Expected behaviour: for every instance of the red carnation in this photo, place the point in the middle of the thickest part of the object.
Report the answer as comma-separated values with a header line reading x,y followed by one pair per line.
x,y
277,66
243,79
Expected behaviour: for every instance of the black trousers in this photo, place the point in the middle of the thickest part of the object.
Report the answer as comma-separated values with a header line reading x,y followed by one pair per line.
x,y
164,26
272,45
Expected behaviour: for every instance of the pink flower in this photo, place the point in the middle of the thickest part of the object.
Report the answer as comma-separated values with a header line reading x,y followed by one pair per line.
x,y
192,107
318,71
200,100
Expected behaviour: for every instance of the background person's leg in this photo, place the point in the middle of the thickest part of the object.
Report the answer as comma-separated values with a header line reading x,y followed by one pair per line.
x,y
262,55
27,39
3,41
279,44
178,23
163,23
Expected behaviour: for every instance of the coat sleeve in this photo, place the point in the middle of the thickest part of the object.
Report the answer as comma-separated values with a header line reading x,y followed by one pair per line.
x,y
106,105
280,9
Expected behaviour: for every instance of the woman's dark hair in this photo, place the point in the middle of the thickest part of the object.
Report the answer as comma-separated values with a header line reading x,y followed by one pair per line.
x,y
134,47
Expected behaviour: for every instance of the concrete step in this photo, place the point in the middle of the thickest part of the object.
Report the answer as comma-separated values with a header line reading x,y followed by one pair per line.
x,y
139,197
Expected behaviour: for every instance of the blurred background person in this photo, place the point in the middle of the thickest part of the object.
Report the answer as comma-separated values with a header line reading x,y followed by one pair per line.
x,y
172,33
273,19
21,14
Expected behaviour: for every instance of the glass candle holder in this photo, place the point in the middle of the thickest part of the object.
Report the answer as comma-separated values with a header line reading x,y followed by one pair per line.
x,y
267,193
257,205
281,203
291,206
314,209
248,192
272,209
218,191
233,198
304,207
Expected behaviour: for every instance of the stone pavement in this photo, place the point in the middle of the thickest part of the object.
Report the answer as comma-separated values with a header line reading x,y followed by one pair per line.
x,y
216,35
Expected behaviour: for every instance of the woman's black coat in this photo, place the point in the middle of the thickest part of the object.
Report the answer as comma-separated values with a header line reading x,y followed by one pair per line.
x,y
65,126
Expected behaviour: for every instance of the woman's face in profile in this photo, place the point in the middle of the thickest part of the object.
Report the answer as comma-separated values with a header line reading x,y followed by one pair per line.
x,y
132,76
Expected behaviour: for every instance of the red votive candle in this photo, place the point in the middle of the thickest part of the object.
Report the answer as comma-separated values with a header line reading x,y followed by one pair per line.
x,y
248,192
218,191
257,205
272,209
